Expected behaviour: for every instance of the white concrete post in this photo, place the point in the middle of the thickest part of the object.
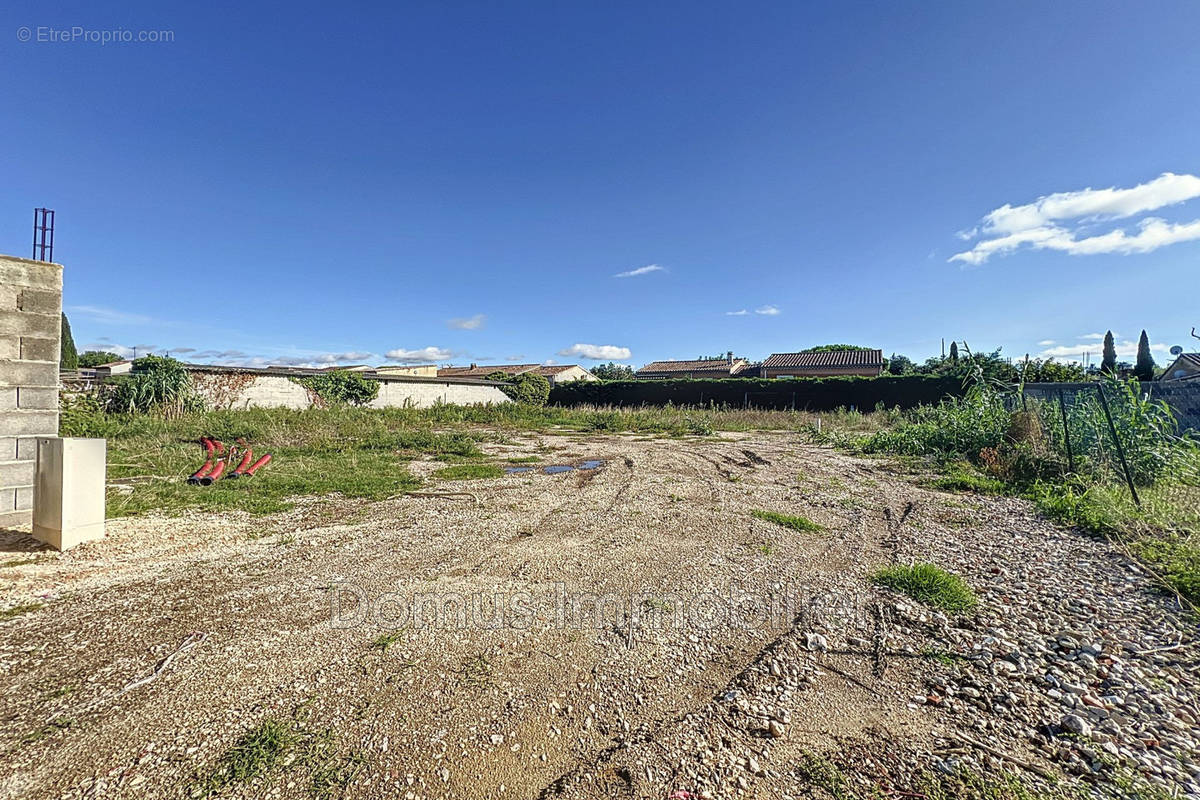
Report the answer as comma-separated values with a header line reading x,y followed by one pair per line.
x,y
68,491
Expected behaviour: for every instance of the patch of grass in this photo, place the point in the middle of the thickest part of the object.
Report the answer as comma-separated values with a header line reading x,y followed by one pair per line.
x,y
18,610
462,472
257,753
387,640
275,745
524,460
962,477
943,657
928,584
787,521
18,562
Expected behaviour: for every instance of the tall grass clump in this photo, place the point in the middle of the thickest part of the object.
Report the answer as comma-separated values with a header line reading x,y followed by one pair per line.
x,y
928,584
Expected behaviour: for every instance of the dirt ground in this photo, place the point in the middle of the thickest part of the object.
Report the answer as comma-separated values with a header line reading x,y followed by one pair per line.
x,y
625,631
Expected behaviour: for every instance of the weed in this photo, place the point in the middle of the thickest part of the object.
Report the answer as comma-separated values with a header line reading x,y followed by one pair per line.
x,y
476,671
943,657
788,521
928,584
18,610
387,640
19,562
962,477
524,460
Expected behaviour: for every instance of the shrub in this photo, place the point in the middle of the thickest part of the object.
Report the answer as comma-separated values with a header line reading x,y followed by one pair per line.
x,y
156,384
928,584
342,388
529,388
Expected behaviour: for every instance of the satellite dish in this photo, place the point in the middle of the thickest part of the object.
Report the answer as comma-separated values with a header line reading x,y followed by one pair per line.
x,y
1176,350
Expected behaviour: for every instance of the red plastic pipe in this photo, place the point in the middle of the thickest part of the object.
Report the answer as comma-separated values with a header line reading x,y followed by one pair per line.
x,y
260,463
208,464
215,475
241,467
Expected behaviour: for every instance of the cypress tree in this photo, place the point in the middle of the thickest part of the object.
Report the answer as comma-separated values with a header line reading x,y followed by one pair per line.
x,y
954,352
68,358
1143,370
1109,364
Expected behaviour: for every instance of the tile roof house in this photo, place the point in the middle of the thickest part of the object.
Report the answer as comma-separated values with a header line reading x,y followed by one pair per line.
x,y
824,364
554,373
1185,367
725,367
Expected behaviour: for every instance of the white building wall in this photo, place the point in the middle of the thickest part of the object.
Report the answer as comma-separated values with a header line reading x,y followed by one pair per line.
x,y
400,394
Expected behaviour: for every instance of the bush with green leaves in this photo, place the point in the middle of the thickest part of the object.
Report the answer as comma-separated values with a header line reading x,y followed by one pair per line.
x,y
342,388
157,384
527,388
96,358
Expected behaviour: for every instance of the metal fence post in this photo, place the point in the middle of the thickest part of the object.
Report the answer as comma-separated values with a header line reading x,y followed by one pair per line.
x,y
1062,405
1117,441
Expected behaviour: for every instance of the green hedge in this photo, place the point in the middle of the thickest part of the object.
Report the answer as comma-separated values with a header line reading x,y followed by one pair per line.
x,y
811,394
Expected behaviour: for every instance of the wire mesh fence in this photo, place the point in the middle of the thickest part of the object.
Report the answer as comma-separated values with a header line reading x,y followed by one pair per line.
x,y
1143,438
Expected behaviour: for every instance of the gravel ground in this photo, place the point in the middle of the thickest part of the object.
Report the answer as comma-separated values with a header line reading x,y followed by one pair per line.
x,y
628,631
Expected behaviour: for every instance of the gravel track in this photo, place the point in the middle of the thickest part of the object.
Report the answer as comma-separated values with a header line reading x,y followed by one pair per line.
x,y
712,652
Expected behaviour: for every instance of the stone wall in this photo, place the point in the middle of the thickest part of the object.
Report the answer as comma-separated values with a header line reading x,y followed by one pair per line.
x,y
422,394
230,389
30,326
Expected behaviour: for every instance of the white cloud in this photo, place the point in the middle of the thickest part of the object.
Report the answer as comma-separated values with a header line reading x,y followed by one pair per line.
x,y
767,311
1093,336
646,270
597,352
1126,351
108,316
739,313
473,323
1045,342
426,355
1041,225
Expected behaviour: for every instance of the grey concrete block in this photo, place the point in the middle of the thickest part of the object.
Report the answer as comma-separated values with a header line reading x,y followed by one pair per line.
x,y
39,301
28,423
16,519
10,347
16,473
8,399
29,373
8,449
35,349
24,498
26,448
36,397
35,274
20,323
8,499
8,298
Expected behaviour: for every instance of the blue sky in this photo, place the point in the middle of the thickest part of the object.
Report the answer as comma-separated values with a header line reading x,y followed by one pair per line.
x,y
464,182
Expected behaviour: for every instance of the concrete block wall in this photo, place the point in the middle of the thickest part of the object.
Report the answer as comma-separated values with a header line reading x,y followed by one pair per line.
x,y
30,326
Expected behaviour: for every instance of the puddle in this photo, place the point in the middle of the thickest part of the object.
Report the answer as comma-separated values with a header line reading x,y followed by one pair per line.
x,y
555,469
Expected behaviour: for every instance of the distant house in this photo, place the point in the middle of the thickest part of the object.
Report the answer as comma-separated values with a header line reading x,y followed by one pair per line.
x,y
721,367
554,373
1185,367
113,368
824,364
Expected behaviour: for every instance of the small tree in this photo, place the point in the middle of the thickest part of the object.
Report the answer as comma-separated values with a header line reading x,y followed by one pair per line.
x,y
900,365
1109,363
1143,370
613,372
96,358
68,358
954,352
